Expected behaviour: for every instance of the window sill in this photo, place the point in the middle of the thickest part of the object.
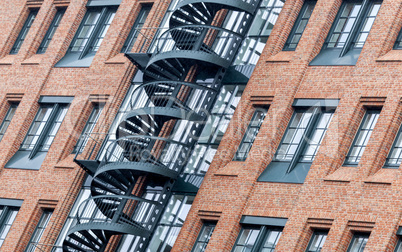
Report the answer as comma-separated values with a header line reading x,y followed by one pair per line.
x,y
391,56
330,57
34,60
276,172
118,59
20,160
72,60
8,60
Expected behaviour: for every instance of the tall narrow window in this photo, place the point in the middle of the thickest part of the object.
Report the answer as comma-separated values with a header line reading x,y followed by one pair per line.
x,y
300,25
7,217
37,234
136,29
85,135
92,30
257,238
394,158
362,137
7,119
50,32
317,241
204,237
44,128
359,242
250,135
24,31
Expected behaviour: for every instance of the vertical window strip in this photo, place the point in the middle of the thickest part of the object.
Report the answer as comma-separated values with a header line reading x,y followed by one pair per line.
x,y
103,30
394,158
344,24
135,30
37,127
362,137
39,230
51,31
317,241
47,142
299,26
7,119
204,237
271,240
314,142
85,31
359,242
84,137
250,135
24,31
7,217
367,24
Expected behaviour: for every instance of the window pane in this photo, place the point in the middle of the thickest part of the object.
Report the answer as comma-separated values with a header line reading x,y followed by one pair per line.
x,y
24,31
358,243
9,214
362,137
204,237
86,133
40,228
317,241
52,29
61,113
367,24
102,33
37,127
7,119
85,30
135,30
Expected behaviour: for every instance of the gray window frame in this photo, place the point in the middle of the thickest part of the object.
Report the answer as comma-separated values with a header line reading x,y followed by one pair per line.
x,y
137,26
206,224
51,120
296,25
336,55
398,247
39,230
264,231
315,233
253,125
368,111
87,130
356,236
6,121
4,216
24,31
51,30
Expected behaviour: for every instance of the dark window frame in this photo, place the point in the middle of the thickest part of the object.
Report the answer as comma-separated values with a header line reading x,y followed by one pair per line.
x,y
355,236
315,233
262,236
5,214
306,4
57,109
335,55
136,28
51,30
24,31
358,132
398,247
32,245
88,48
204,243
399,159
88,128
248,131
6,121
398,41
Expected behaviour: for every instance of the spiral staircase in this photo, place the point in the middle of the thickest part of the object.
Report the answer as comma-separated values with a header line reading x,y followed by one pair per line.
x,y
145,145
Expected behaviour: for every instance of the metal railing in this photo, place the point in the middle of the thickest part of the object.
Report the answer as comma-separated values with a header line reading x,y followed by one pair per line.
x,y
204,38
166,153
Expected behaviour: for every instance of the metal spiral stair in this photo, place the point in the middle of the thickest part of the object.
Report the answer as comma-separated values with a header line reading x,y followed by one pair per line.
x,y
144,146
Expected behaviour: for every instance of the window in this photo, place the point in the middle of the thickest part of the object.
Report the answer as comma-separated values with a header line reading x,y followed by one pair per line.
x,y
83,140
348,32
257,238
250,135
7,217
7,119
40,228
135,30
24,31
362,137
301,141
359,242
50,32
398,42
92,31
44,128
394,158
300,25
399,246
317,241
204,237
